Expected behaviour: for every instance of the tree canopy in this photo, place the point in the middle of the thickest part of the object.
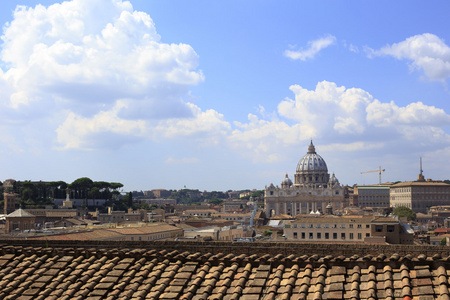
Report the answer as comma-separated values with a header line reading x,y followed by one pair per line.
x,y
403,211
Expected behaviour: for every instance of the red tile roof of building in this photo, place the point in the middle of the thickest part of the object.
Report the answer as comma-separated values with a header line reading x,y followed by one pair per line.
x,y
145,273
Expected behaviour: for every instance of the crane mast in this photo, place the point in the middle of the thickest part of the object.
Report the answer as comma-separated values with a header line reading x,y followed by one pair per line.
x,y
379,173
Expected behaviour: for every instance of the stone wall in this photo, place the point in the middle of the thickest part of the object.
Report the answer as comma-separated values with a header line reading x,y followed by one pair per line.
x,y
237,248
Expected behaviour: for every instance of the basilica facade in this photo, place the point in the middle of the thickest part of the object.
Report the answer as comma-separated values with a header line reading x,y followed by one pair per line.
x,y
313,190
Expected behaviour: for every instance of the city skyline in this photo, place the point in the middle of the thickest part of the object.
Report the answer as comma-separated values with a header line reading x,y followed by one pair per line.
x,y
216,95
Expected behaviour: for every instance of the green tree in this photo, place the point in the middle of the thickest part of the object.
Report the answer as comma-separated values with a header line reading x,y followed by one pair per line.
x,y
130,199
116,185
267,233
94,193
258,194
443,242
144,205
81,186
403,211
216,201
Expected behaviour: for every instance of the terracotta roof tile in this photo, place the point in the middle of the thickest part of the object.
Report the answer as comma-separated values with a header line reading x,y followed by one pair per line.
x,y
143,274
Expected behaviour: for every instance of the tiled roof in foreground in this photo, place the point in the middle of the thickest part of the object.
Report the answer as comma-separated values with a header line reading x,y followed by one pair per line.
x,y
81,273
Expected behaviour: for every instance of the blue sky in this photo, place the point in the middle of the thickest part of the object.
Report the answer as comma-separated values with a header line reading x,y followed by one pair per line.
x,y
219,95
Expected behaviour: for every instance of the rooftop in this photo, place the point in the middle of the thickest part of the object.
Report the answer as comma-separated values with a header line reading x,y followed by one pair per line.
x,y
59,272
421,183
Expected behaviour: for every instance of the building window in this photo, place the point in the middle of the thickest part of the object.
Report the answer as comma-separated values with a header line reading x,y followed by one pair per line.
x,y
343,235
390,228
367,234
303,235
359,236
359,226
351,236
367,226
311,236
350,226
334,236
310,226
295,235
378,228
343,226
327,236
319,235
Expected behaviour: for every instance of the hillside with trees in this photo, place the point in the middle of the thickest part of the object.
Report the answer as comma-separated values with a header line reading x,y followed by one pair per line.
x,y
39,194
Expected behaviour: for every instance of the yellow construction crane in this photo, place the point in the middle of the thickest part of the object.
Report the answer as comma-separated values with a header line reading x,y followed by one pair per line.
x,y
379,173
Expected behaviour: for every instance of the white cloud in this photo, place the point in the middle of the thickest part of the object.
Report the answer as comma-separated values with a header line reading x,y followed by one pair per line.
x,y
329,106
313,48
79,132
355,146
426,52
261,140
208,125
347,119
353,48
101,68
55,50
388,114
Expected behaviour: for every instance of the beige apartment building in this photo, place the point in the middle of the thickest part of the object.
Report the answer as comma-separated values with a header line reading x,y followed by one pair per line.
x,y
347,229
372,195
226,233
420,195
203,213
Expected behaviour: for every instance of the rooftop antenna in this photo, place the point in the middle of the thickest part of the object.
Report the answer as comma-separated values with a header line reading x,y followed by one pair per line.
x,y
421,171
421,177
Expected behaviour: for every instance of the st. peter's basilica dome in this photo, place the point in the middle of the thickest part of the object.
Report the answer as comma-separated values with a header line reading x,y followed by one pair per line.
x,y
312,161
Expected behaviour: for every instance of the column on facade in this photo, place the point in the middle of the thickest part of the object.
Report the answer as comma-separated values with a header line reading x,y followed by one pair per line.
x,y
285,207
307,207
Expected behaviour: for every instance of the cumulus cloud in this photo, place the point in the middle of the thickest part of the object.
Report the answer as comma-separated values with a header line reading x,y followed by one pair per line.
x,y
72,47
388,114
313,48
100,69
208,125
260,139
78,132
348,119
327,107
426,52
